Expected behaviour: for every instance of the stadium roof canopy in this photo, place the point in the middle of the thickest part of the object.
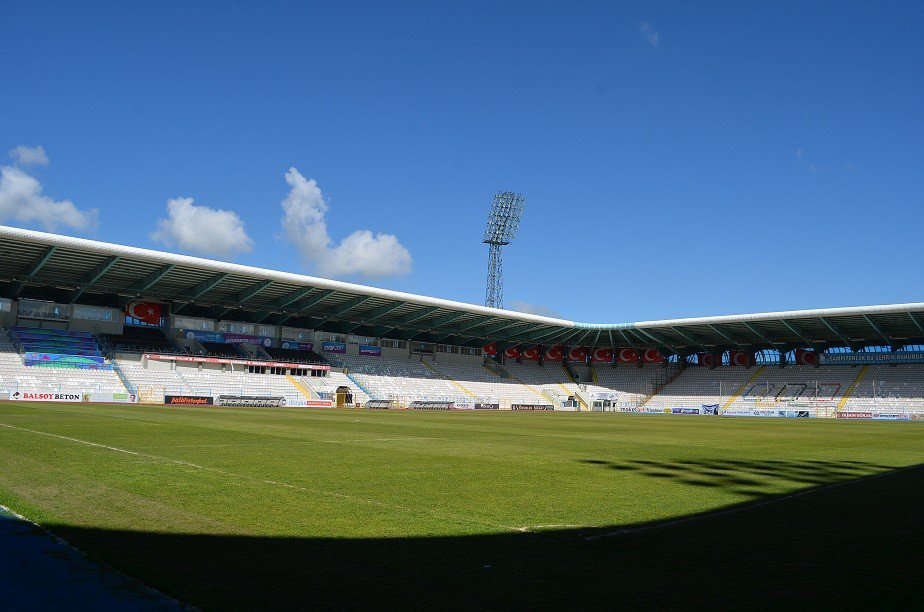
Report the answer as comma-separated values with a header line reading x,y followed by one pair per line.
x,y
75,270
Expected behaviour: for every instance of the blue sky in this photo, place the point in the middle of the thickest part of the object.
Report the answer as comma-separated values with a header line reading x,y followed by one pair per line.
x,y
679,159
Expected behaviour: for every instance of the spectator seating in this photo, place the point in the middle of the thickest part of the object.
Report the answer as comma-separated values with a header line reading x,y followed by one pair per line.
x,y
293,356
136,339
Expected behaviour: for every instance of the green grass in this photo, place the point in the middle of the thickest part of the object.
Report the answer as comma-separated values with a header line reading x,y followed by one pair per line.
x,y
251,507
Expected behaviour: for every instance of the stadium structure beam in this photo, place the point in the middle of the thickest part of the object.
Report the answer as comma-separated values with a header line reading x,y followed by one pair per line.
x,y
593,345
759,333
544,335
797,330
917,322
690,338
290,298
414,316
472,325
627,340
198,291
836,331
378,313
735,342
445,319
34,269
246,294
368,318
496,328
659,340
879,330
304,305
151,279
240,297
342,309
92,278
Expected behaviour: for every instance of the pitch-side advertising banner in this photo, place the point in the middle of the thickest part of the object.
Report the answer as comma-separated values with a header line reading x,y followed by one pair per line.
x,y
33,396
872,358
111,398
188,400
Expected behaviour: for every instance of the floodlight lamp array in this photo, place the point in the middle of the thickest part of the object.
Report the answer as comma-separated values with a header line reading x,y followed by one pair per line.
x,y
504,218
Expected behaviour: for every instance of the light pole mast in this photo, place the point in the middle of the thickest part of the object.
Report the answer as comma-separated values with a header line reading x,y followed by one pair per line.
x,y
501,229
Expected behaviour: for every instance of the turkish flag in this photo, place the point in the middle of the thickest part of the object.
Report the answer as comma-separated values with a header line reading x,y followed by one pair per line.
x,y
554,353
708,359
512,353
740,358
627,355
148,312
578,353
603,355
804,357
652,356
531,353
490,349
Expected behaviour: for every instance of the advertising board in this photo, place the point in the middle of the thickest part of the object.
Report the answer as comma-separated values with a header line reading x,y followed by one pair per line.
x,y
188,400
370,351
250,402
35,396
333,347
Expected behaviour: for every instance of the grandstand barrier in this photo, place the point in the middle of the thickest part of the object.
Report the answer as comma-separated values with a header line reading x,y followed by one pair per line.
x,y
229,361
58,360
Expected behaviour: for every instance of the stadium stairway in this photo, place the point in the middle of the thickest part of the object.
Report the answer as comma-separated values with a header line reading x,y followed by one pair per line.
x,y
305,391
852,387
452,381
677,373
583,404
540,394
359,386
744,387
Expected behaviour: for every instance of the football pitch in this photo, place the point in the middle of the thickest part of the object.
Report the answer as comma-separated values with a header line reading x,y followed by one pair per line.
x,y
248,508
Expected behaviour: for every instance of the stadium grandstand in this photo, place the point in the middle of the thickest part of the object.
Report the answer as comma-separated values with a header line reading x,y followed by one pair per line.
x,y
82,320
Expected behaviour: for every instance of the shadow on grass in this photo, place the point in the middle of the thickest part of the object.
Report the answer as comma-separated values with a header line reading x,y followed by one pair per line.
x,y
856,545
753,479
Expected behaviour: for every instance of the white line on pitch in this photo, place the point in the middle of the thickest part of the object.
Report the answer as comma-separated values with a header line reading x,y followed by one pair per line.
x,y
354,498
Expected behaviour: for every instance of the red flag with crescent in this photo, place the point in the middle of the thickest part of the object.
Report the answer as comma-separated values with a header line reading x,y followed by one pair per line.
x,y
804,357
652,356
512,353
490,349
147,312
627,355
708,359
603,355
578,353
740,358
554,353
531,353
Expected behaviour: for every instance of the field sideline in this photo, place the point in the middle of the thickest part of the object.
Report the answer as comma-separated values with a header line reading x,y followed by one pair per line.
x,y
186,498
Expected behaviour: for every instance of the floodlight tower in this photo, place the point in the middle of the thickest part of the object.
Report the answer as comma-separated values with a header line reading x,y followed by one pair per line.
x,y
503,222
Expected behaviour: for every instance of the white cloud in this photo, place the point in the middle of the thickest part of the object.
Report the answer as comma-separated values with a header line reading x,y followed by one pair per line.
x,y
28,156
536,309
204,230
651,36
21,201
361,253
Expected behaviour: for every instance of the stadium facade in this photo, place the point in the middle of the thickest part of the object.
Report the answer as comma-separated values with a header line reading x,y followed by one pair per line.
x,y
67,284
